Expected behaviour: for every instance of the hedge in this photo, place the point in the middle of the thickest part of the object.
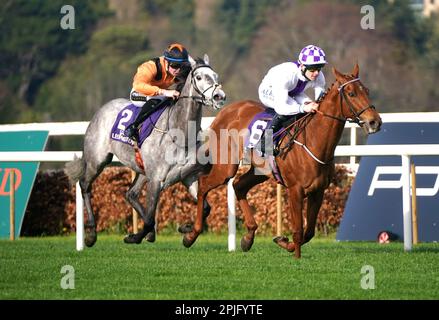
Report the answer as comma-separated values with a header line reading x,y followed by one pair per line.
x,y
51,207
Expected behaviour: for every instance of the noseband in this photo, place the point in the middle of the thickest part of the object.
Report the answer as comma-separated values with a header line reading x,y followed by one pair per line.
x,y
356,115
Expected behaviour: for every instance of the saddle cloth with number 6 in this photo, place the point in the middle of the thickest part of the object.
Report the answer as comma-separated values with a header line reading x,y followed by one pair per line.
x,y
257,126
127,116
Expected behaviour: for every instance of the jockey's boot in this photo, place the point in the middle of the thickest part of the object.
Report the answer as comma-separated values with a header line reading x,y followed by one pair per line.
x,y
132,131
276,124
262,145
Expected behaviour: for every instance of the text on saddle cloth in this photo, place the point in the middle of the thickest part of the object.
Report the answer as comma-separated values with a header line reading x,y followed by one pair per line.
x,y
257,126
127,116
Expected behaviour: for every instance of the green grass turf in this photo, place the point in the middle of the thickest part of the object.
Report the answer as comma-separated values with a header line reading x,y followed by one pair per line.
x,y
30,268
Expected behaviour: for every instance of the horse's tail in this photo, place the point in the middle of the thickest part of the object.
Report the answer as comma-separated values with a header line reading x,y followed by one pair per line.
x,y
75,169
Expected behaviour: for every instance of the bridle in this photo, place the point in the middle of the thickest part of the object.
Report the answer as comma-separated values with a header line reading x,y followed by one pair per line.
x,y
202,98
356,115
303,122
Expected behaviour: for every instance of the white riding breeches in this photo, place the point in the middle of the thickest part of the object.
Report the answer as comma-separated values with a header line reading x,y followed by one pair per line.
x,y
139,99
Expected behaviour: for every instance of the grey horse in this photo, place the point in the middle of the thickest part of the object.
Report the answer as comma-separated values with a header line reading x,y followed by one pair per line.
x,y
161,167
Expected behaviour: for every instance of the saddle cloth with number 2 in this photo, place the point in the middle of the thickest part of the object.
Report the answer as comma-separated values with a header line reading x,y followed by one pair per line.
x,y
127,116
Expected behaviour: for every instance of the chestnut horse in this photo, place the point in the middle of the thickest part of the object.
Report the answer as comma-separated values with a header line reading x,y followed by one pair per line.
x,y
305,161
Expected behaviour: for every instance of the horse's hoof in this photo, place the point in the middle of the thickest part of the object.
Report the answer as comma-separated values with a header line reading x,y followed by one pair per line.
x,y
187,243
132,238
185,228
284,243
246,245
280,239
150,237
90,239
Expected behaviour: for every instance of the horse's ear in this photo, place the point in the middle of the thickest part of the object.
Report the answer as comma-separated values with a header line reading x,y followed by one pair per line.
x,y
336,73
206,59
192,62
356,70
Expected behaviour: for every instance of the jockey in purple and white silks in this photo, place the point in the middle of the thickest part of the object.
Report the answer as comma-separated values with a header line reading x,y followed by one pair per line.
x,y
282,88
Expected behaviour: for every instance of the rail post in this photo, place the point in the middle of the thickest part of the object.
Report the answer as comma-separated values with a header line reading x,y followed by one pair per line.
x,y
135,216
406,205
79,219
414,204
231,208
12,205
279,210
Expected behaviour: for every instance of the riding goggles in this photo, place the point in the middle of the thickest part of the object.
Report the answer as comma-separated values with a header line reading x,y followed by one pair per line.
x,y
175,65
314,67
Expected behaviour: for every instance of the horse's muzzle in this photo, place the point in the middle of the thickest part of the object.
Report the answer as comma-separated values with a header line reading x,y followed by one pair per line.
x,y
219,98
372,125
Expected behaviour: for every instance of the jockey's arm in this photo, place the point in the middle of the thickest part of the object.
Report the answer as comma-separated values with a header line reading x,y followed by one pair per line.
x,y
318,92
302,99
283,103
319,87
308,105
143,79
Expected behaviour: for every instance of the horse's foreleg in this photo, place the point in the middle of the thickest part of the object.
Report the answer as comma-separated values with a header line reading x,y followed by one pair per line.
x,y
132,197
314,202
192,186
295,196
203,188
148,214
242,186
206,213
296,204
189,227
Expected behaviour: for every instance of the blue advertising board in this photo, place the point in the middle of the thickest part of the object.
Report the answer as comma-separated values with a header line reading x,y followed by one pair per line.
x,y
375,200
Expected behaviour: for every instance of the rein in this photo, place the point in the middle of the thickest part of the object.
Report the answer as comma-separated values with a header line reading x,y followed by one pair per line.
x,y
163,131
356,116
298,126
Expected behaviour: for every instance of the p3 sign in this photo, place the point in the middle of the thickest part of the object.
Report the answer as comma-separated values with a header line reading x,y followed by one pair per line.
x,y
24,172
375,200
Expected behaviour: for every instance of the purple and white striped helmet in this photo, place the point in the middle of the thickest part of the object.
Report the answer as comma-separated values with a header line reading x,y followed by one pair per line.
x,y
312,55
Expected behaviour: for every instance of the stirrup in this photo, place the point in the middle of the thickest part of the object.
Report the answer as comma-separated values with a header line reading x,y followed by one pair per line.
x,y
260,147
132,133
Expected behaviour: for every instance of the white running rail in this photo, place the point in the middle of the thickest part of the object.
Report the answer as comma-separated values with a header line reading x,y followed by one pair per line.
x,y
352,150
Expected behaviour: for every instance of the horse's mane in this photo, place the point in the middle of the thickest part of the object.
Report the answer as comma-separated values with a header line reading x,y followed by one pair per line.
x,y
184,72
324,94
199,61
182,76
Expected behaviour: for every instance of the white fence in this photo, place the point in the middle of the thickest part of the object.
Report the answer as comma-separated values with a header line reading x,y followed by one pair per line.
x,y
352,150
